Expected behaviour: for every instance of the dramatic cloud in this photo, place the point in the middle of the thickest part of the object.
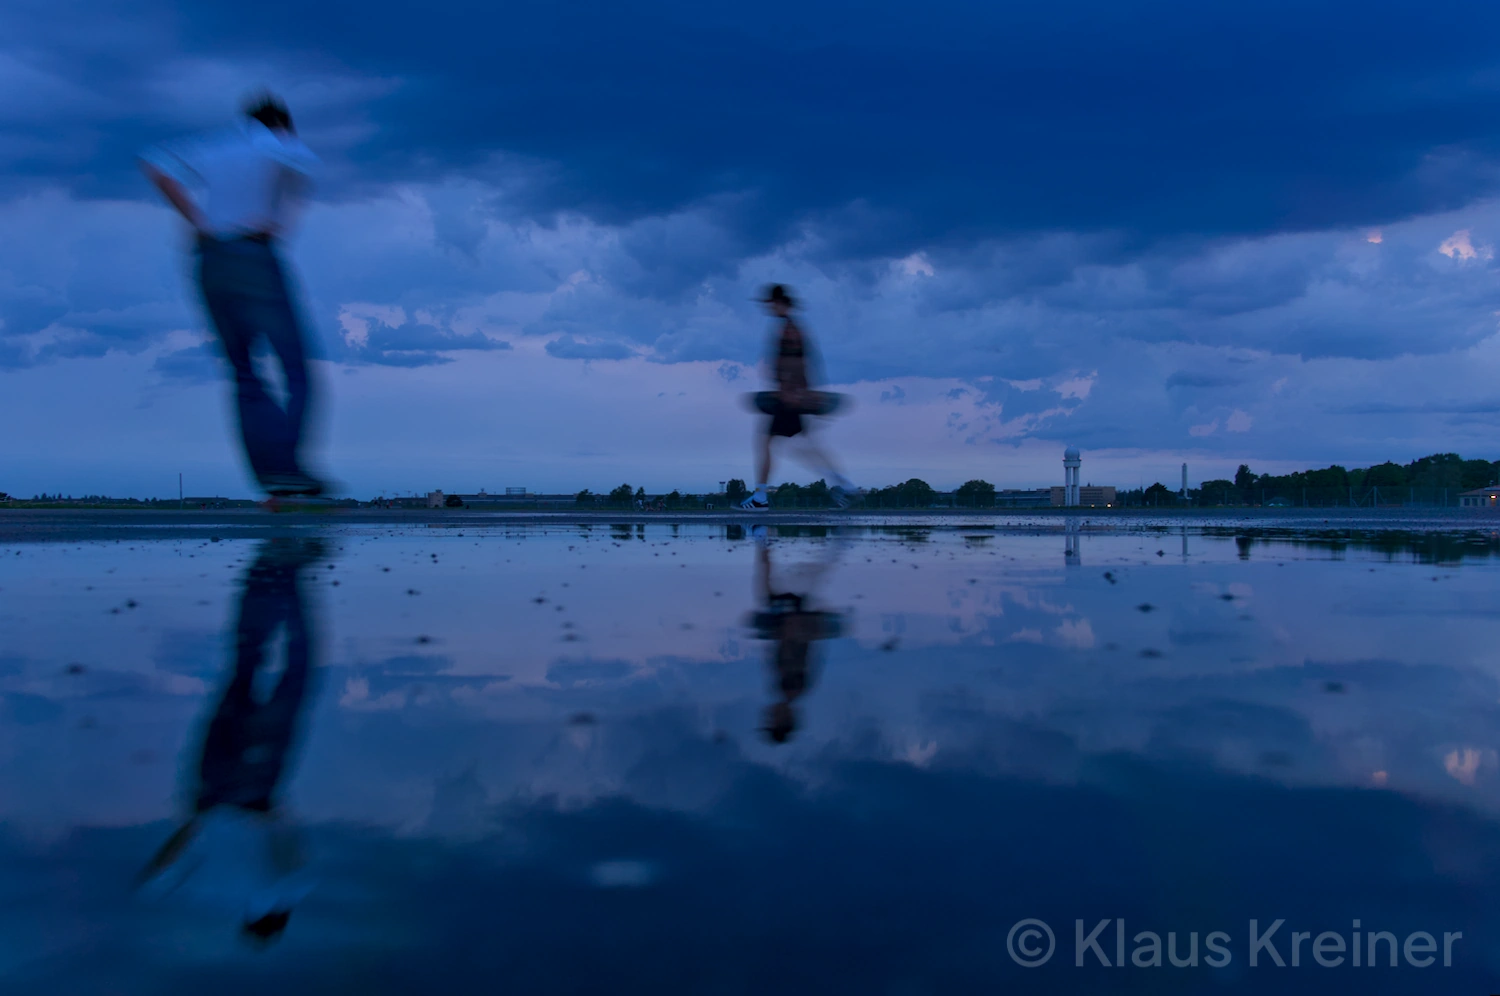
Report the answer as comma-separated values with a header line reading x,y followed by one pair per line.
x,y
1236,118
1248,236
568,348
386,335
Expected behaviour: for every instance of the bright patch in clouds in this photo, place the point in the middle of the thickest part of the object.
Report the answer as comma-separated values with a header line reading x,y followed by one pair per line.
x,y
1463,764
1460,245
917,264
1077,387
1206,429
354,318
1239,421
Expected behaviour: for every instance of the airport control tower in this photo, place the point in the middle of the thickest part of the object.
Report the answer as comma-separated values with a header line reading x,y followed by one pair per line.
x,y
1072,460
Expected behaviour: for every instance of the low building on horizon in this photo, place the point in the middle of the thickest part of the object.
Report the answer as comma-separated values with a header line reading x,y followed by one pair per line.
x,y
1024,497
1089,496
1481,497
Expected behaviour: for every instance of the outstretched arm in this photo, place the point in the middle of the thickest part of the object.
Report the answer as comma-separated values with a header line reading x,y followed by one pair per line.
x,y
176,195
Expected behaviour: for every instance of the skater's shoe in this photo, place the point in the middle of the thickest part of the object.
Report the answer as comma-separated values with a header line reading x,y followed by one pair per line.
x,y
298,485
757,502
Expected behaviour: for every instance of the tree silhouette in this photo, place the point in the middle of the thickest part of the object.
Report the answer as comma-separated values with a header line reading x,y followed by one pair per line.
x,y
976,494
1159,494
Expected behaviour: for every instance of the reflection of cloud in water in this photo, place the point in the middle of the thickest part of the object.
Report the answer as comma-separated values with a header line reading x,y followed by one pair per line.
x,y
869,874
583,672
1075,633
516,792
1002,621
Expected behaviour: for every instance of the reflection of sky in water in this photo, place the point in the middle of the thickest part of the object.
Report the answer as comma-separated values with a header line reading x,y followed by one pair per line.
x,y
533,757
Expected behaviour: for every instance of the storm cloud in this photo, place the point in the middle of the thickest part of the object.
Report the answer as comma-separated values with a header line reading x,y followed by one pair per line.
x,y
1242,231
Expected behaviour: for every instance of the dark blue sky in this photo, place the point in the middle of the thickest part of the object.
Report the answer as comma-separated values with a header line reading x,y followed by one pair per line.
x,y
1180,206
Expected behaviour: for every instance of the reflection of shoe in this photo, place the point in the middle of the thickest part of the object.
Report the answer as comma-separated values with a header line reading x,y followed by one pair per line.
x,y
760,534
756,503
293,485
267,928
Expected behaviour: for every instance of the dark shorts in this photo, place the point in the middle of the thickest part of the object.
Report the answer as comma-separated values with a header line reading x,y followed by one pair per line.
x,y
786,424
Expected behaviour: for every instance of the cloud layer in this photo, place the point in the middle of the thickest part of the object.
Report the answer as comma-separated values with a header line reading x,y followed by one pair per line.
x,y
1248,235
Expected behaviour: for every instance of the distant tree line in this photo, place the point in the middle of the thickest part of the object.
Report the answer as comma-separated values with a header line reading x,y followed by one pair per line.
x,y
45,498
1436,479
913,493
1441,470
630,497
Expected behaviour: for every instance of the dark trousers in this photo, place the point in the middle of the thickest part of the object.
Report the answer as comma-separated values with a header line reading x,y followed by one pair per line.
x,y
246,745
245,292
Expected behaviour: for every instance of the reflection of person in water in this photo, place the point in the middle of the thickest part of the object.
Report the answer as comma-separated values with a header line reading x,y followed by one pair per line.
x,y
250,736
793,627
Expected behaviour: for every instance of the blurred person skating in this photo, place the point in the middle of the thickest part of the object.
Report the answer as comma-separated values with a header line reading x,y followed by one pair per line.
x,y
790,403
242,761
240,189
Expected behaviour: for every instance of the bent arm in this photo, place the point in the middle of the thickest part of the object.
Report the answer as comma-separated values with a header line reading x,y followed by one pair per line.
x,y
176,195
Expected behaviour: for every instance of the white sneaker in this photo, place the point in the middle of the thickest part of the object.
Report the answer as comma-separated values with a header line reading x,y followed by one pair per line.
x,y
756,503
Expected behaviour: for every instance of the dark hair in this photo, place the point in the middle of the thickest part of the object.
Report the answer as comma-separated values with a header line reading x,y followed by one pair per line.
x,y
269,110
777,294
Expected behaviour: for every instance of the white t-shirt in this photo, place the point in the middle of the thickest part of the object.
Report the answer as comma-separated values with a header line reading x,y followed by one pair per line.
x,y
245,179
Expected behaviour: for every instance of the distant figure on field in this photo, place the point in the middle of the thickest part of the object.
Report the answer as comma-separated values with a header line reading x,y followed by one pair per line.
x,y
792,400
240,189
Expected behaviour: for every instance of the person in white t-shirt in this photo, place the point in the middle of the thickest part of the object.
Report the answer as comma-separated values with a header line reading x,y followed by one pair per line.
x,y
240,190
